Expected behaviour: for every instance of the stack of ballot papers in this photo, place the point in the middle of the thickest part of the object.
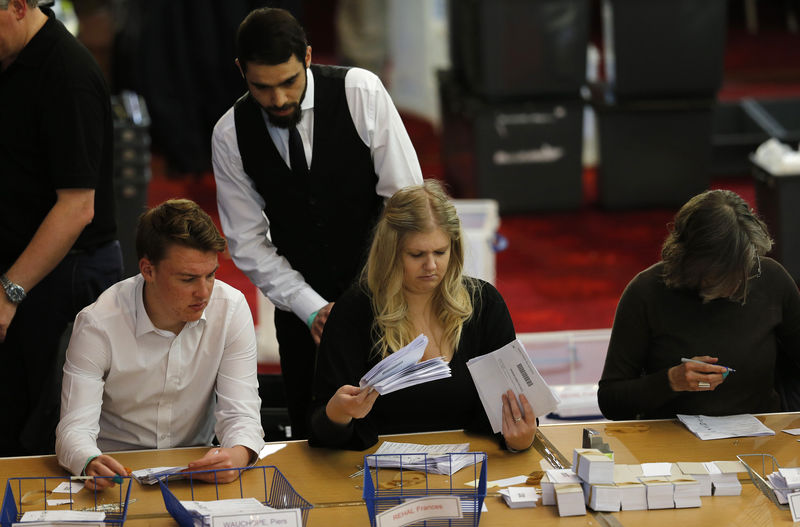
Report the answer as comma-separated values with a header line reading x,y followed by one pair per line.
x,y
602,497
520,497
569,498
725,477
699,472
57,517
659,492
552,477
592,466
402,369
707,427
203,512
632,492
436,459
150,476
784,481
509,368
685,491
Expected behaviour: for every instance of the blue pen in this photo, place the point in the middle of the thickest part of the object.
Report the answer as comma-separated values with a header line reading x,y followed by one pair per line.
x,y
725,374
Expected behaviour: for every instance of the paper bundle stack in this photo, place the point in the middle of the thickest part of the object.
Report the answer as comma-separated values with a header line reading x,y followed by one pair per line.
x,y
203,512
569,497
520,497
659,492
592,466
699,472
686,491
150,476
725,477
553,477
784,482
632,492
602,497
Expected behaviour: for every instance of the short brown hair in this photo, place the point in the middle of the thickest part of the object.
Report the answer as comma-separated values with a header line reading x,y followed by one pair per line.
x,y
714,245
270,36
176,221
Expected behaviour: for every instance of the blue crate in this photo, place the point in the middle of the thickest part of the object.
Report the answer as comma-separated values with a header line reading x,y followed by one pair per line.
x,y
379,500
278,492
13,508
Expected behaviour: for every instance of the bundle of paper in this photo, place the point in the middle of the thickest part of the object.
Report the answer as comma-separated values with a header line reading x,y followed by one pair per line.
x,y
436,459
685,491
552,477
569,497
784,481
203,512
708,427
150,476
632,492
699,472
520,497
602,497
402,369
64,517
659,492
725,477
509,368
592,466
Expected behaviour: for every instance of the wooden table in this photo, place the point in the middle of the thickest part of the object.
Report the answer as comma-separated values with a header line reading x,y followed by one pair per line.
x,y
669,440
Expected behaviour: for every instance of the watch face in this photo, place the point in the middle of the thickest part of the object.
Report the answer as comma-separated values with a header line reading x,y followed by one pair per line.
x,y
15,293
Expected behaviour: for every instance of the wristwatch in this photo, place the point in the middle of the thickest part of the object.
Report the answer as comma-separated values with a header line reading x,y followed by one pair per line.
x,y
14,292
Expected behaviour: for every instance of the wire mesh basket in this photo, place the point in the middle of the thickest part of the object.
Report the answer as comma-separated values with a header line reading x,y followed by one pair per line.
x,y
30,494
393,479
277,493
759,466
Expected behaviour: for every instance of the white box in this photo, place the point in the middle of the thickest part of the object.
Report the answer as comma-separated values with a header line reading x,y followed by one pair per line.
x,y
480,220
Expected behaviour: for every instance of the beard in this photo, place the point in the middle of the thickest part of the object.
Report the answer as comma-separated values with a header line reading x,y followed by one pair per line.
x,y
291,119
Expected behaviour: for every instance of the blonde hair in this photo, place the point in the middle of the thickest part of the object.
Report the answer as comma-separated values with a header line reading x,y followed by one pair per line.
x,y
412,210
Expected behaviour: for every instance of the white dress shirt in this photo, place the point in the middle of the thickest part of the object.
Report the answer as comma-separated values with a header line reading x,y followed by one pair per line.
x,y
241,207
129,385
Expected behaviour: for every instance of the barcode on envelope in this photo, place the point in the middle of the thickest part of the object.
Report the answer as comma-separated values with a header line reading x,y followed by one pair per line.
x,y
524,374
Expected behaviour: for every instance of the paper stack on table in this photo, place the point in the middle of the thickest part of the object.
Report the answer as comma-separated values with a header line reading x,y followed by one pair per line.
x,y
592,466
725,477
707,427
203,512
150,476
659,492
632,492
402,369
784,481
685,491
436,459
699,472
509,368
554,477
602,497
520,497
569,498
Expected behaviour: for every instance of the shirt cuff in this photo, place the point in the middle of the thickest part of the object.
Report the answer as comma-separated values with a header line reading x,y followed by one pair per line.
x,y
306,302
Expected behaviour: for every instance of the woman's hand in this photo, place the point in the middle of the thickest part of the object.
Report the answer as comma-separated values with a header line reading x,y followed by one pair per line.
x,y
519,422
695,377
221,458
350,402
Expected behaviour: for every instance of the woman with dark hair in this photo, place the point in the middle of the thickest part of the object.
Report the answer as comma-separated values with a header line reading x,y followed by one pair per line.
x,y
714,298
413,284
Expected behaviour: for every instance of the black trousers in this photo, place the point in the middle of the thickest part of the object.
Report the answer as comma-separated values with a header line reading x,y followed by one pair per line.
x,y
298,355
32,358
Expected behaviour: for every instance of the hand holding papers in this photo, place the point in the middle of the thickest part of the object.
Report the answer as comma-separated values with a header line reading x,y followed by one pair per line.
x,y
706,427
509,368
402,369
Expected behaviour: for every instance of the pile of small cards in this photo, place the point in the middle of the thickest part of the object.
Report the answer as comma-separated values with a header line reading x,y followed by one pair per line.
x,y
203,512
520,497
150,476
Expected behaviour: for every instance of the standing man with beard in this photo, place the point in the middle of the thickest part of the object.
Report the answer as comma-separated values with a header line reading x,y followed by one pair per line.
x,y
306,156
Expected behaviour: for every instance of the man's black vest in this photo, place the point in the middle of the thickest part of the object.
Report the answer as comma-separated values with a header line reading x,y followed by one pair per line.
x,y
323,226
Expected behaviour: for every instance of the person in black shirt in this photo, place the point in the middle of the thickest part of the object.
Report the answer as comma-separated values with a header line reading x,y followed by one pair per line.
x,y
413,283
714,298
57,228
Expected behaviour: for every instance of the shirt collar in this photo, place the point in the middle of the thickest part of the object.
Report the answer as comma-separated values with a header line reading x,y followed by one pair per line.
x,y
308,100
145,325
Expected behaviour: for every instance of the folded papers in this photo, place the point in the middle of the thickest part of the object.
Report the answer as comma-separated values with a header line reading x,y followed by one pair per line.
x,y
402,369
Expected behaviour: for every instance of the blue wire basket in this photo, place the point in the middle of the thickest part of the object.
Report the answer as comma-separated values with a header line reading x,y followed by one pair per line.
x,y
30,494
278,493
380,497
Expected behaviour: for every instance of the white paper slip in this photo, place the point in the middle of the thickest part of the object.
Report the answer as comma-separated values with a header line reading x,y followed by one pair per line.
x,y
791,476
402,369
506,482
509,368
792,431
268,449
656,469
66,487
709,427
520,497
420,509
63,516
57,502
794,506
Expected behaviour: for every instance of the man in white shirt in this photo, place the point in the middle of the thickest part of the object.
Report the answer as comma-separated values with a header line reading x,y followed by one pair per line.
x,y
164,359
307,155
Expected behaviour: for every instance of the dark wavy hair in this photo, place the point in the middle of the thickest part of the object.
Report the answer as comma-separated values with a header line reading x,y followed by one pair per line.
x,y
176,222
714,246
270,36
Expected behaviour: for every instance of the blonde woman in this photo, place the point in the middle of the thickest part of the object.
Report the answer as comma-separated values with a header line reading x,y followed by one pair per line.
x,y
413,284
